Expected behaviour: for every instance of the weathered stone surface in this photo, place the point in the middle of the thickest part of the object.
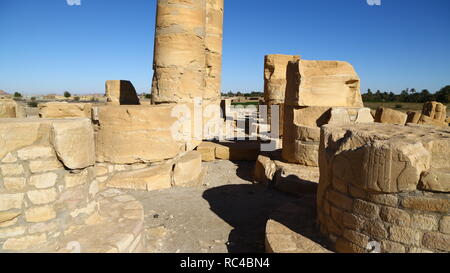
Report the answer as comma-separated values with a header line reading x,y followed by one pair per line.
x,y
435,110
445,225
364,116
137,134
42,197
121,93
296,179
40,214
208,151
76,179
7,217
425,120
74,143
239,151
435,240
413,117
45,165
11,109
426,204
275,68
179,58
264,170
213,48
35,152
25,242
322,83
11,201
188,170
437,180
390,116
43,181
14,183
149,179
12,170
55,110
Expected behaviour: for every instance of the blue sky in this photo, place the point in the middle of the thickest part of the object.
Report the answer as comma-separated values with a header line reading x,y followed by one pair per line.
x,y
47,46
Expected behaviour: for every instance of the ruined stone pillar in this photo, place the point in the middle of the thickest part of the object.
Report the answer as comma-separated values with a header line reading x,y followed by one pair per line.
x,y
179,56
213,47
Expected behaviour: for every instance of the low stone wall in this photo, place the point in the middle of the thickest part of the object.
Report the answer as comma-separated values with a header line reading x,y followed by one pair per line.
x,y
139,134
182,171
55,110
11,109
47,179
385,186
302,129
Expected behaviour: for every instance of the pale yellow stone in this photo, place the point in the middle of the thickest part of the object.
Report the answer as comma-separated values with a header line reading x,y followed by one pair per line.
x,y
264,170
322,83
14,183
43,181
9,158
23,243
12,232
275,68
73,180
74,142
121,93
153,178
35,152
40,214
390,116
58,110
42,197
11,201
42,166
6,217
12,170
188,169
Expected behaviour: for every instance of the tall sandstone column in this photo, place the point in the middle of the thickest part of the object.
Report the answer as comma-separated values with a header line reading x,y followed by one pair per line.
x,y
179,57
213,47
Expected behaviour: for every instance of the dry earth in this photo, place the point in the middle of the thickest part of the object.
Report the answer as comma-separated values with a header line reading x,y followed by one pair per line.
x,y
227,214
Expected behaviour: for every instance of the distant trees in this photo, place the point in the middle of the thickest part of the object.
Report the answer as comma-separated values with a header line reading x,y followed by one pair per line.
x,y
408,95
240,94
67,94
17,95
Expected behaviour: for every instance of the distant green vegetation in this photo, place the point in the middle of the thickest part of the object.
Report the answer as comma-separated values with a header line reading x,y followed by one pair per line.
x,y
67,94
239,94
408,95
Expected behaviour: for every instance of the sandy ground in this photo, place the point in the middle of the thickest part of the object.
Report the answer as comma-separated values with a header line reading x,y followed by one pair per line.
x,y
227,214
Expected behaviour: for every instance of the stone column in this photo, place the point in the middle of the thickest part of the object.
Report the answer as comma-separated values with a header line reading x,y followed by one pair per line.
x,y
179,56
213,47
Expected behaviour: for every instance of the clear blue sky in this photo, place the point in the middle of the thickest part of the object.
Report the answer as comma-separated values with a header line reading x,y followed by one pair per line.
x,y
47,46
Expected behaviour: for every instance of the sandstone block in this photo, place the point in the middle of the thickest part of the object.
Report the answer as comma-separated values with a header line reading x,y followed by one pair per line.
x,y
43,181
121,93
445,225
275,68
364,116
395,216
239,151
264,170
425,120
413,117
39,214
76,179
45,165
14,183
35,152
137,134
19,133
25,242
390,116
42,197
12,170
74,143
149,179
208,151
435,110
424,222
322,83
6,217
11,201
58,110
366,209
437,180
426,204
404,235
438,241
188,170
